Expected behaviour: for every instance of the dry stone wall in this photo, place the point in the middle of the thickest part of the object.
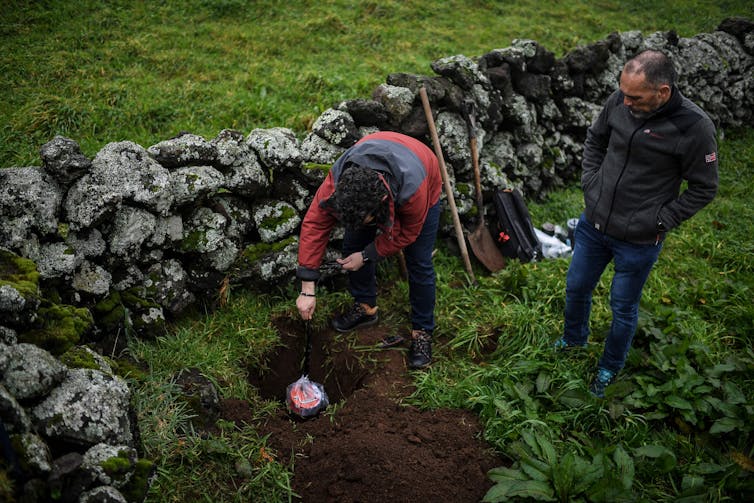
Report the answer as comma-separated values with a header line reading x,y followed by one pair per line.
x,y
98,250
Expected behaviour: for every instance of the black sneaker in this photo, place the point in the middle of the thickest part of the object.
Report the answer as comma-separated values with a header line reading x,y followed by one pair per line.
x,y
562,345
602,380
354,318
420,352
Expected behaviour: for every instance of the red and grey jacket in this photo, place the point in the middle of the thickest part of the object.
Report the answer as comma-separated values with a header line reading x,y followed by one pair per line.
x,y
633,168
412,172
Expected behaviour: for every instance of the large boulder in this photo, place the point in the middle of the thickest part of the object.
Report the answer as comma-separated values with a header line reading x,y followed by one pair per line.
x,y
122,172
238,162
63,160
185,149
31,372
30,201
87,408
277,148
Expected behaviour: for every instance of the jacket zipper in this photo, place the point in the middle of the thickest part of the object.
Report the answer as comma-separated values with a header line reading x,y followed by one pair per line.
x,y
620,176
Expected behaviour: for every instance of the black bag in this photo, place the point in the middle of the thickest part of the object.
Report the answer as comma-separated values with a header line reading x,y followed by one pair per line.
x,y
513,229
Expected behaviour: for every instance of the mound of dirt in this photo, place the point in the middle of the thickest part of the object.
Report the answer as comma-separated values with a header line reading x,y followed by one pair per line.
x,y
368,446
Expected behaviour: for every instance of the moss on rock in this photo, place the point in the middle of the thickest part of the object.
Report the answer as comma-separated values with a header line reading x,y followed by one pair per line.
x,y
59,327
257,251
137,487
19,273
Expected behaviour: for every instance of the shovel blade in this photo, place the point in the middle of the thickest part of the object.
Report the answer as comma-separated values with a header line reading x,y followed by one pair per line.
x,y
485,249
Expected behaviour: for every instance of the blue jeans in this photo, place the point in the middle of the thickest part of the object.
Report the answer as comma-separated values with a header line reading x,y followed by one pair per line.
x,y
592,253
421,271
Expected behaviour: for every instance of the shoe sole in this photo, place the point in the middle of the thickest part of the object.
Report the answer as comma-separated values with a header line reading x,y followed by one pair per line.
x,y
419,367
356,327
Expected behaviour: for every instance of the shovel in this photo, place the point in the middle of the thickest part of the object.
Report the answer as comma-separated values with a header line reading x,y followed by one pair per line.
x,y
448,189
482,244
304,397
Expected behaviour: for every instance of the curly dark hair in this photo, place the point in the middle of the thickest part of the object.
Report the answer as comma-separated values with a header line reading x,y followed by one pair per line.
x,y
360,193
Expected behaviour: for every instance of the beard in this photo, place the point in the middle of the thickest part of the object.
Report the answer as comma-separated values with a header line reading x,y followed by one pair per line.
x,y
638,114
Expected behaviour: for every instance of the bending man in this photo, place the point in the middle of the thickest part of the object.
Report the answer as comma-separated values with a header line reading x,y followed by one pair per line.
x,y
385,190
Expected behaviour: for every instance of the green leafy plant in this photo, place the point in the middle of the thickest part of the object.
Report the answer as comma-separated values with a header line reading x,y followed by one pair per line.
x,y
540,473
682,382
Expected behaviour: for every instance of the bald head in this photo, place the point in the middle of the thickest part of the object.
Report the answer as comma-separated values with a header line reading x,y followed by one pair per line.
x,y
655,65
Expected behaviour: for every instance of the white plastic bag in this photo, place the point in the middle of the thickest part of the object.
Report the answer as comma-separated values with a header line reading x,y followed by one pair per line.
x,y
552,247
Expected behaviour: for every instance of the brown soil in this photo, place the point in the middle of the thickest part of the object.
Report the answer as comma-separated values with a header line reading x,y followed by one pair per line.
x,y
368,446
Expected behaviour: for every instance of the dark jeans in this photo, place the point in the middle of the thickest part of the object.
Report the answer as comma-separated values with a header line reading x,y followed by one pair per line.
x,y
421,271
632,262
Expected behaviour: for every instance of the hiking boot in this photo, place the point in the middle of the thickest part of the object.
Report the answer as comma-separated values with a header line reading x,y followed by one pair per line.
x,y
420,352
357,317
562,345
602,380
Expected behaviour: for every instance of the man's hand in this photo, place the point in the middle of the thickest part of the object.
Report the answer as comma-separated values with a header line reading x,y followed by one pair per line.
x,y
306,301
353,262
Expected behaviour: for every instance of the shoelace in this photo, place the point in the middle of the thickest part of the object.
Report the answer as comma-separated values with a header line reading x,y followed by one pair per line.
x,y
422,343
604,376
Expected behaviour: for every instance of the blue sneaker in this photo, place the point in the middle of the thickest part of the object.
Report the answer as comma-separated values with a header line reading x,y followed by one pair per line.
x,y
562,345
602,380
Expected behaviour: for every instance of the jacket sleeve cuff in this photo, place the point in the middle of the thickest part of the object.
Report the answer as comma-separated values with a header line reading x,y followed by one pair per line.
x,y
371,252
306,274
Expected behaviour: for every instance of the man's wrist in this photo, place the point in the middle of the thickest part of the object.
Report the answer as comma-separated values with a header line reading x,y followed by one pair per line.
x,y
364,257
307,288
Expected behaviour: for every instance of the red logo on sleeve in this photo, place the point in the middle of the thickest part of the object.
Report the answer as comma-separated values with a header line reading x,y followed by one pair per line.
x,y
710,158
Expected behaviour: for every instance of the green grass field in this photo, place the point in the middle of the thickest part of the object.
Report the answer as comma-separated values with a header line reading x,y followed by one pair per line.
x,y
677,428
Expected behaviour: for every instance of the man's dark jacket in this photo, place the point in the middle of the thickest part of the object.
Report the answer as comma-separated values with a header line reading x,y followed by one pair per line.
x,y
633,168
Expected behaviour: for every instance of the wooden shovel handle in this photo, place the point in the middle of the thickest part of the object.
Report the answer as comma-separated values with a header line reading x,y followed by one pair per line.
x,y
448,189
477,179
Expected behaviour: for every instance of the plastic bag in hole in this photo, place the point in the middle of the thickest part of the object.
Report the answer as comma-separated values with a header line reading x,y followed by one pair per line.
x,y
305,397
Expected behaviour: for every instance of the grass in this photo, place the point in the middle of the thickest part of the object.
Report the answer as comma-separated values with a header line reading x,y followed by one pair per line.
x,y
677,424
99,72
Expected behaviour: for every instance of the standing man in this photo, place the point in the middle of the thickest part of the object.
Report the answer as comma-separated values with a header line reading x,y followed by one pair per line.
x,y
645,142
386,192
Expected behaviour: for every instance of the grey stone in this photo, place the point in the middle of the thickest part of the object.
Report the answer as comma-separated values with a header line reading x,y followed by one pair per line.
x,y
244,174
99,454
35,455
31,372
337,127
168,230
316,149
131,228
167,283
12,414
122,172
87,408
8,335
277,148
102,494
11,300
92,279
579,113
63,160
366,112
55,260
67,478
398,101
30,201
194,182
184,150
86,244
460,69
275,220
